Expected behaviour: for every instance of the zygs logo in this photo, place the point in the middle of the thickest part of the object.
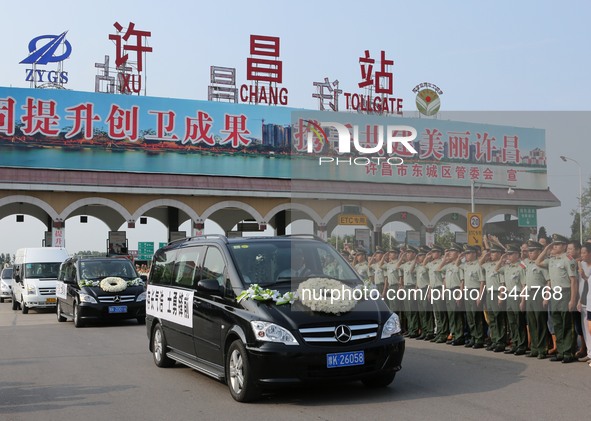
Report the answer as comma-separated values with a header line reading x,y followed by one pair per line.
x,y
47,54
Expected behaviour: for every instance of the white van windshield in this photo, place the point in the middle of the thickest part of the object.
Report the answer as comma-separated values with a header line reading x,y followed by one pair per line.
x,y
42,270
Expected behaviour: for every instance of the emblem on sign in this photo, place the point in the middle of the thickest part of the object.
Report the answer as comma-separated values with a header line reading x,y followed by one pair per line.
x,y
427,100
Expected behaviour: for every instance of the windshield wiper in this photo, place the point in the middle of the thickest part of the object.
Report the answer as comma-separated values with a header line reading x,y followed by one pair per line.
x,y
282,280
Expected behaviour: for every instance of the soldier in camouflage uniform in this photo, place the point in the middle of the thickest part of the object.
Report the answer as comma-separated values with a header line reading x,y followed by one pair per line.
x,y
360,264
424,305
391,267
408,283
495,306
563,296
536,279
453,275
376,273
473,287
513,272
433,262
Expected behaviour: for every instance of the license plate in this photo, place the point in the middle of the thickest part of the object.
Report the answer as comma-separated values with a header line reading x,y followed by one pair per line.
x,y
117,309
51,300
345,359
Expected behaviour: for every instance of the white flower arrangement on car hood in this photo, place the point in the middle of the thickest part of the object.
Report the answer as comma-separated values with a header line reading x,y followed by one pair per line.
x,y
256,292
327,295
113,284
137,282
319,294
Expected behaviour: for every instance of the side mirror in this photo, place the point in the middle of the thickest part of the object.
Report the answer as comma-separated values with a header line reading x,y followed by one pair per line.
x,y
210,286
69,281
144,278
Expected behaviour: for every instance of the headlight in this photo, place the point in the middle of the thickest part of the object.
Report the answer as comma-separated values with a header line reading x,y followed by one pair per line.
x,y
270,332
31,289
85,298
391,327
141,297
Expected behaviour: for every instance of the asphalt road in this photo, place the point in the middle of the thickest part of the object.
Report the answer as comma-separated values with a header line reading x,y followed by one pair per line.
x,y
53,371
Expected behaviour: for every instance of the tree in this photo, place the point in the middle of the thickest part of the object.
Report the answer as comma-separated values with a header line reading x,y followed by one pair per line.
x,y
574,228
444,235
542,233
586,209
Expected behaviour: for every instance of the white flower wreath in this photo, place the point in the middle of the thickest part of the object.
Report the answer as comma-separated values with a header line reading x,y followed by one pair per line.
x,y
113,284
326,295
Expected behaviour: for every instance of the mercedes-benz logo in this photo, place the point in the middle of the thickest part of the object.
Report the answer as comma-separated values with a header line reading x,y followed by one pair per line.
x,y
116,299
343,333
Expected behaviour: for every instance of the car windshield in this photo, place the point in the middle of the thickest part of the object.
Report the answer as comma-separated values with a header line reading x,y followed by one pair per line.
x,y
6,273
271,262
42,270
97,269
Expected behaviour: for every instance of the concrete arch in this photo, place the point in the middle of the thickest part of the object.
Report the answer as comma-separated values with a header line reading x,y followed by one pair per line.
x,y
413,211
165,202
232,204
11,200
439,215
95,201
497,212
293,206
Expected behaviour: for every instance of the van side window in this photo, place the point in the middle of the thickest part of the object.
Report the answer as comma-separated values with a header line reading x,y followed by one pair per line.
x,y
214,266
187,266
162,267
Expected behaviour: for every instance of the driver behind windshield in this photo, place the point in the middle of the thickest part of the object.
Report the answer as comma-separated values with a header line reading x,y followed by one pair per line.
x,y
298,267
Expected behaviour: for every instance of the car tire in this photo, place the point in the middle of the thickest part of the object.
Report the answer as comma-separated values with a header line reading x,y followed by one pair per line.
x,y
141,320
239,376
14,303
1,300
380,380
159,347
77,320
58,310
24,308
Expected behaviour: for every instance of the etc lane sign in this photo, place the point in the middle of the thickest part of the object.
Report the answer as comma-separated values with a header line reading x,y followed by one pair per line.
x,y
346,219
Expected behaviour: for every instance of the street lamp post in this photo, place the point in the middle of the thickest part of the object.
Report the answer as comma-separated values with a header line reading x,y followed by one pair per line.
x,y
510,190
566,158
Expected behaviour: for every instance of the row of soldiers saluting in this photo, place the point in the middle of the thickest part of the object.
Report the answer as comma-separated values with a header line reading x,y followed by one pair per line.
x,y
462,284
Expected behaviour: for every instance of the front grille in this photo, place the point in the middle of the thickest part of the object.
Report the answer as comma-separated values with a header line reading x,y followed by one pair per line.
x,y
111,298
46,291
325,335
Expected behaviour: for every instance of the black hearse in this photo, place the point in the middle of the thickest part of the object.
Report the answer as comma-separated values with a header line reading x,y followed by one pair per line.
x,y
98,289
218,305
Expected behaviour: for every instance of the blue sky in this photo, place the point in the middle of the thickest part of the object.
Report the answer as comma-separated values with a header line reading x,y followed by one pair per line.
x,y
502,56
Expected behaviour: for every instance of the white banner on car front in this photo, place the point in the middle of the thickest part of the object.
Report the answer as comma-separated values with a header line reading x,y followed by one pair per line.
x,y
174,305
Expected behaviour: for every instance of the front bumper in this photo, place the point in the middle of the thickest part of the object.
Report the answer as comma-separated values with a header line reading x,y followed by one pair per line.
x,y
282,364
41,301
100,311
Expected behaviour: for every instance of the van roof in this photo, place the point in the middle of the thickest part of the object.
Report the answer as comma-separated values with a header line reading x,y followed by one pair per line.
x,y
41,254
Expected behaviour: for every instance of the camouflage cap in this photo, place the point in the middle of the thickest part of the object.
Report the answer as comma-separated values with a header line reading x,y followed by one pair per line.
x,y
495,248
470,249
424,250
534,245
412,249
454,247
513,248
437,248
559,239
